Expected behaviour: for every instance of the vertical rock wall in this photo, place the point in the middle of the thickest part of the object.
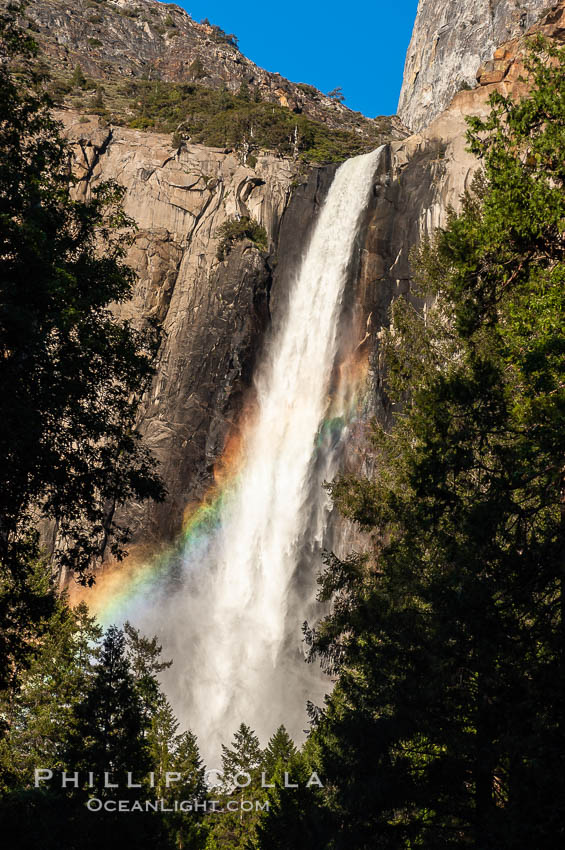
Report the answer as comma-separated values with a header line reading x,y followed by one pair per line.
x,y
212,314
451,39
421,178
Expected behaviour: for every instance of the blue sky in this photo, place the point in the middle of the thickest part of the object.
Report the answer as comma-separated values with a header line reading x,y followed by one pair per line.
x,y
359,45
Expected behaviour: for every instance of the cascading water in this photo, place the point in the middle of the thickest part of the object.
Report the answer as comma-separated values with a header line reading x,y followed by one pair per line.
x,y
237,672
233,625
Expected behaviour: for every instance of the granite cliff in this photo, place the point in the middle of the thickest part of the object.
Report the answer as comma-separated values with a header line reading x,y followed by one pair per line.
x,y
421,177
214,312
427,172
116,41
451,39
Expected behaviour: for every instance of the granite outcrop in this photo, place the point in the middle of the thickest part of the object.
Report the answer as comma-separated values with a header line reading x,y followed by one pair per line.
x,y
214,314
450,40
121,40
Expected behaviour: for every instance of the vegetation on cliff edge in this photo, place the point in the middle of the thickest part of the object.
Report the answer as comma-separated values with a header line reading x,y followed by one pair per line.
x,y
446,728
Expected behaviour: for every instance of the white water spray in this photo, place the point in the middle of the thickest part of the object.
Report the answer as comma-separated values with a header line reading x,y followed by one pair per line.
x,y
236,624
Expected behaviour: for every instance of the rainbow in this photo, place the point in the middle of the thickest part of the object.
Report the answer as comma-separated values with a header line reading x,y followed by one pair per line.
x,y
121,588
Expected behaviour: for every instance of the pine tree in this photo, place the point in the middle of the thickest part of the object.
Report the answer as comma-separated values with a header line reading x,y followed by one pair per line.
x,y
337,94
189,829
175,753
144,658
447,635
187,761
298,818
71,375
161,742
278,752
39,716
78,80
74,712
244,755
109,721
241,784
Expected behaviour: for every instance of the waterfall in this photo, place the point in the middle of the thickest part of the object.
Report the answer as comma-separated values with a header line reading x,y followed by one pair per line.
x,y
237,618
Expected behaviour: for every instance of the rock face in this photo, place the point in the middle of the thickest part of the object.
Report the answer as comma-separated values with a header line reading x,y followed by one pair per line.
x,y
451,39
427,173
421,177
212,313
121,39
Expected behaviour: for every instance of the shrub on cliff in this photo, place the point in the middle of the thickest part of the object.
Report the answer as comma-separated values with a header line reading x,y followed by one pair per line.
x,y
235,230
222,119
78,80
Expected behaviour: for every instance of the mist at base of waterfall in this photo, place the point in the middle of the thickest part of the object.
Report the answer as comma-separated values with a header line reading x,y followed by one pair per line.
x,y
234,621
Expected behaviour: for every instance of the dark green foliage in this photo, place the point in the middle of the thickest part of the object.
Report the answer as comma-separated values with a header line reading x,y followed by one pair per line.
x,y
297,817
40,714
82,706
447,725
161,738
70,373
235,230
188,831
70,376
109,720
233,830
278,751
144,656
78,80
79,709
222,119
337,94
244,755
27,601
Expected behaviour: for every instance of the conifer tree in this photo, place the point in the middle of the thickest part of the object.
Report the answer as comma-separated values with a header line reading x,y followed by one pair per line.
x,y
244,755
241,784
144,656
78,80
40,715
296,817
187,761
109,721
189,829
446,727
178,754
71,374
278,752
161,741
